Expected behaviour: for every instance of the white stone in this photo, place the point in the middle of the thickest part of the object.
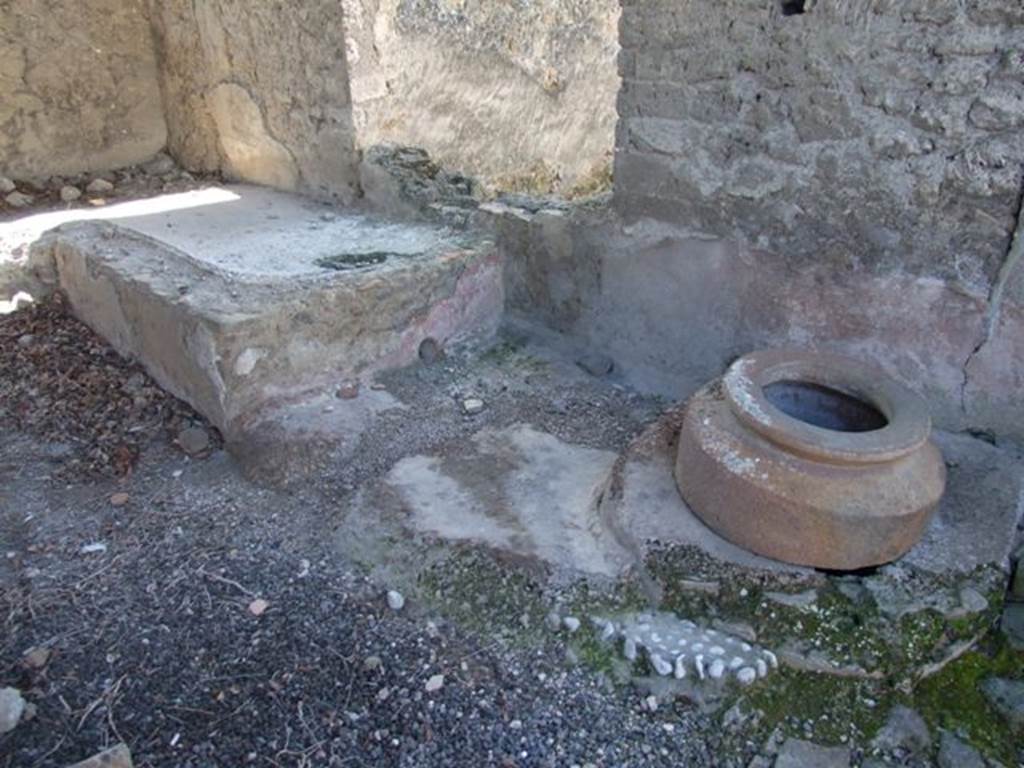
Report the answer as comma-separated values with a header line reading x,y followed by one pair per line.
x,y
717,669
69,193
96,548
472,405
699,663
395,600
746,676
772,659
12,706
6,185
680,667
762,668
716,650
661,666
571,623
736,663
435,683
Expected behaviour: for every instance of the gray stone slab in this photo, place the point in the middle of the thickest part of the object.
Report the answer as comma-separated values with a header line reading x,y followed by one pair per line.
x,y
227,303
515,489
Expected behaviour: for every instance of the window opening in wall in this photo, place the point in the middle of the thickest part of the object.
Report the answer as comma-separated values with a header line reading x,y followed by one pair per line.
x,y
793,7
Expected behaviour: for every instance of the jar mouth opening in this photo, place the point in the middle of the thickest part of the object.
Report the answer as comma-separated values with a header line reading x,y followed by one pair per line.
x,y
824,406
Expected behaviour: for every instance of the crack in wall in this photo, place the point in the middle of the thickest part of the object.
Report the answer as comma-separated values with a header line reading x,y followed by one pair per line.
x,y
1011,258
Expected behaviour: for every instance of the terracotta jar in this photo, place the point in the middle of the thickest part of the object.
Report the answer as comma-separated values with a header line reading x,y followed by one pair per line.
x,y
812,459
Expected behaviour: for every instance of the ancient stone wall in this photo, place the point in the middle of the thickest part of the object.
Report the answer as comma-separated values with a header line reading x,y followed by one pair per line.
x,y
845,175
521,95
78,87
869,134
259,89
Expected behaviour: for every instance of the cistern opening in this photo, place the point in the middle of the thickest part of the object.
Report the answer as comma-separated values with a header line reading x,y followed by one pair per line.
x,y
824,407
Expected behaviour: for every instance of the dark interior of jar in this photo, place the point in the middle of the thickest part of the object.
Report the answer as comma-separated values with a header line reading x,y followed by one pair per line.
x,y
824,407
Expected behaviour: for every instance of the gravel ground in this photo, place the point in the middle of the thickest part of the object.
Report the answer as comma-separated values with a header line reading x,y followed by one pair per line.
x,y
153,633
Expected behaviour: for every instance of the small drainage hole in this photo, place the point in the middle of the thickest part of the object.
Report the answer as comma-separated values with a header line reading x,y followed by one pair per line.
x,y
793,7
824,407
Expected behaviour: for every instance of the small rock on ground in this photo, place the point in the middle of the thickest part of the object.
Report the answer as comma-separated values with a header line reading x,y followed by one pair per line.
x,y
472,405
115,757
12,706
596,364
160,165
18,200
6,185
37,658
69,193
905,729
258,606
953,753
349,390
99,186
194,440
1007,696
435,683
796,753
396,601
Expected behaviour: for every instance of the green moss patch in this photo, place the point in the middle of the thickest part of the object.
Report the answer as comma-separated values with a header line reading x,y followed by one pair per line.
x,y
953,700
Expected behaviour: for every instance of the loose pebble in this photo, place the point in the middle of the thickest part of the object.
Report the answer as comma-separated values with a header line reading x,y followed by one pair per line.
x,y
472,406
746,676
679,669
396,601
12,706
661,666
18,200
99,186
435,683
258,606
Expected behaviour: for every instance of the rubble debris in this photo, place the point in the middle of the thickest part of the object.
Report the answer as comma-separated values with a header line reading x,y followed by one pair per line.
x,y
61,382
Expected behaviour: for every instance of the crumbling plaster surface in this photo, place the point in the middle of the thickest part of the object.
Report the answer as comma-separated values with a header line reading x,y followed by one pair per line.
x,y
871,135
521,95
78,87
260,90
673,310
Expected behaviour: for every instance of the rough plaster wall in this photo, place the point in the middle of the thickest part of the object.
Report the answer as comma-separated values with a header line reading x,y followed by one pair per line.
x,y
521,94
849,177
673,311
260,89
78,87
877,134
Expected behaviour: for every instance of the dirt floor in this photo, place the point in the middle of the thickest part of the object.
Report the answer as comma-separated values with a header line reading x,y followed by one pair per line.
x,y
136,567
154,593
